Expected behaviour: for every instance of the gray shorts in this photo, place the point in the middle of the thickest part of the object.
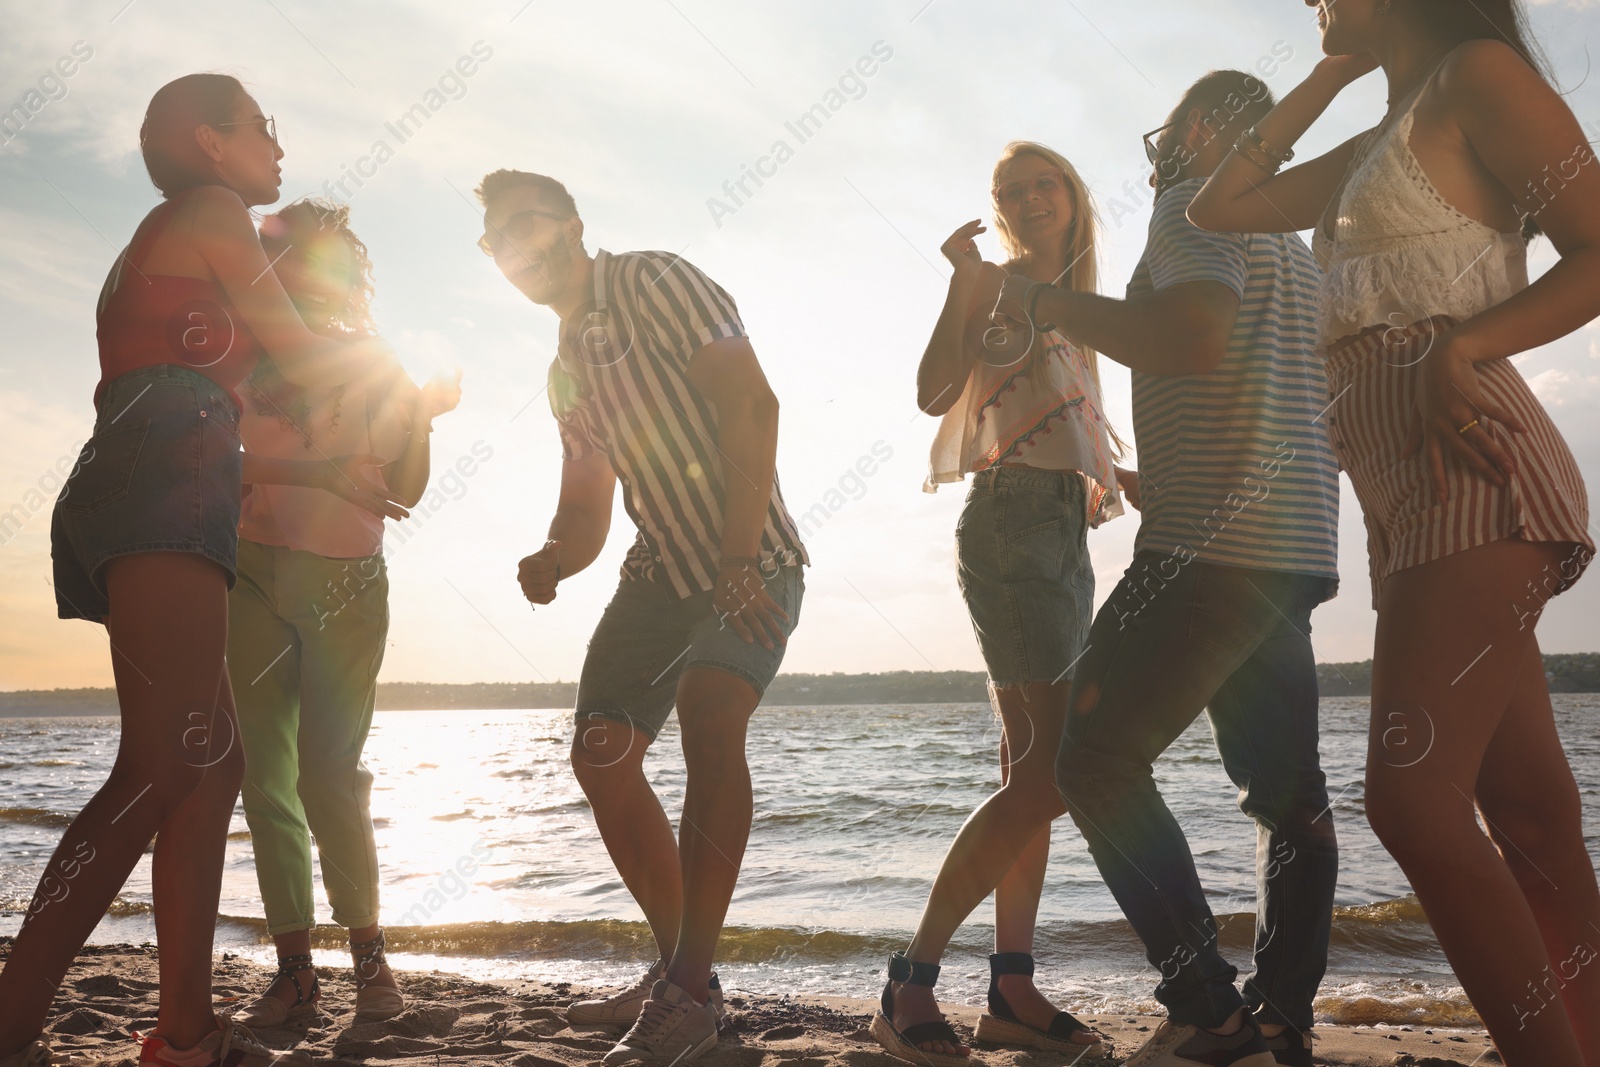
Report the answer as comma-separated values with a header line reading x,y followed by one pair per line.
x,y
648,637
1023,560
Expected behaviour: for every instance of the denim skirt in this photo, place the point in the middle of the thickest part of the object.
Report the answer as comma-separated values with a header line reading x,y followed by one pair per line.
x,y
1023,560
161,473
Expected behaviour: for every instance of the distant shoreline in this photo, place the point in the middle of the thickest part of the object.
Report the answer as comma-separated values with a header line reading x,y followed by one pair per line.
x,y
1567,673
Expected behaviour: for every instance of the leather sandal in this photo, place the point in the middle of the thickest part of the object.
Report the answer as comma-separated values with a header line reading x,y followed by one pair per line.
x,y
902,1044
268,1012
1000,1025
374,1003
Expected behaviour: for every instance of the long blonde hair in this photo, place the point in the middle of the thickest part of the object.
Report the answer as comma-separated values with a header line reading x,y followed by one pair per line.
x,y
1082,274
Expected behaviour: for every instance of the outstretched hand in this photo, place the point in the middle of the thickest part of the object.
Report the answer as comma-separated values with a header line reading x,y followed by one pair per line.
x,y
349,477
1010,309
441,393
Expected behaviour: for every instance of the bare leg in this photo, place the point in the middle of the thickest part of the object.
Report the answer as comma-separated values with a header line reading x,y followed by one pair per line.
x,y
186,873
1016,912
608,761
714,710
1530,803
991,843
167,629
1441,695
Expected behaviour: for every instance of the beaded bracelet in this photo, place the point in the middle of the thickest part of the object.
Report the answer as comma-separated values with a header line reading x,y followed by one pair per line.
x,y
739,561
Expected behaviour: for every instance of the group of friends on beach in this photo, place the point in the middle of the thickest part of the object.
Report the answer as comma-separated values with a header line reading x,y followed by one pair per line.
x,y
253,434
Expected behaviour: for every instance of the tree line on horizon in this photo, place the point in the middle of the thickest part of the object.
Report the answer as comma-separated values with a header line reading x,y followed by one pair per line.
x,y
1567,672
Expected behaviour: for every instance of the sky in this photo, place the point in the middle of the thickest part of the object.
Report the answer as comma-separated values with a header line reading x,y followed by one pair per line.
x,y
651,111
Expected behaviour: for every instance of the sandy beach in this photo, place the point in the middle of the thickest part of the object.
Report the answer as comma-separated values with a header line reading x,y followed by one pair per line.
x,y
109,996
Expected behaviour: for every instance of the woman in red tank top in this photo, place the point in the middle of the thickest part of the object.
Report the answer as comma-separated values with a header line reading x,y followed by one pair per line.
x,y
144,540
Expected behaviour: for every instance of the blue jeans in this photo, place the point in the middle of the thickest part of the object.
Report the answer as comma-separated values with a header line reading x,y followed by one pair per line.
x,y
1173,639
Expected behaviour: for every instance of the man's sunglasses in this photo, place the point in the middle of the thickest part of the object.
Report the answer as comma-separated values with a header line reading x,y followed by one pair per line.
x,y
1152,150
269,126
515,228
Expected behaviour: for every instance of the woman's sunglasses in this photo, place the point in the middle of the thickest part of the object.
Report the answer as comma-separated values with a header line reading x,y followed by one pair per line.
x,y
1045,183
515,228
269,126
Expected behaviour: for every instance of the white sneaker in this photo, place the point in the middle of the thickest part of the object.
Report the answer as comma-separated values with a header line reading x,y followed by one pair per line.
x,y
673,1029
1178,1045
619,1009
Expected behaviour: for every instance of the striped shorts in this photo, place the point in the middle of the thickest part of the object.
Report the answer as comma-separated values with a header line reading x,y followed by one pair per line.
x,y
1372,379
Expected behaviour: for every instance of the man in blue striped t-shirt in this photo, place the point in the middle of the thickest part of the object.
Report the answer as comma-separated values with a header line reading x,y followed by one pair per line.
x,y
655,385
1239,495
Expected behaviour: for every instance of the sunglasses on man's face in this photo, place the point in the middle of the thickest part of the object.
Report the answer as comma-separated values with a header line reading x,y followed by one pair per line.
x,y
515,228
268,126
1152,150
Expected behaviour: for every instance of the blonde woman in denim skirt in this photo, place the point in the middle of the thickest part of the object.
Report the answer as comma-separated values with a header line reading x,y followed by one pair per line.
x,y
1021,412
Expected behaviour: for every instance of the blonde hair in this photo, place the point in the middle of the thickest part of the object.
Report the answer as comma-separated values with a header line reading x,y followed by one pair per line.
x,y
1082,274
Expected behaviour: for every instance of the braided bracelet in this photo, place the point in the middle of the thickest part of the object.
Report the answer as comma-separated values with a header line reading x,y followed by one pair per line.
x,y
739,561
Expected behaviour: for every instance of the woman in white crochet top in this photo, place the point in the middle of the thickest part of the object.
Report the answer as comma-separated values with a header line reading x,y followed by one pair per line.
x,y
1476,512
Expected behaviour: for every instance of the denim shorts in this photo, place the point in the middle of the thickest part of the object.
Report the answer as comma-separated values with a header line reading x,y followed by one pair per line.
x,y
161,474
1023,559
648,637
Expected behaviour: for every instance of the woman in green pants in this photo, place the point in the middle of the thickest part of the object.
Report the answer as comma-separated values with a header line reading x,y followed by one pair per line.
x,y
309,616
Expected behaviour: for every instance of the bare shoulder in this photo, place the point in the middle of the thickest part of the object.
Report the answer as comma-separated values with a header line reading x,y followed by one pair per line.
x,y
218,210
1487,72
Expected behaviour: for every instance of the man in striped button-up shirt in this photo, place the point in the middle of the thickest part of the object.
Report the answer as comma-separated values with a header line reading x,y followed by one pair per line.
x,y
657,386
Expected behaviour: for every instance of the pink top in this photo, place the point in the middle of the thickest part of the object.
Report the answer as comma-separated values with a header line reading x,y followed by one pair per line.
x,y
340,423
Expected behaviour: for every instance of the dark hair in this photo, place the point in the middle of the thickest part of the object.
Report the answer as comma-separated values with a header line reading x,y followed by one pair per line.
x,y
1230,102
171,154
302,225
502,181
1452,22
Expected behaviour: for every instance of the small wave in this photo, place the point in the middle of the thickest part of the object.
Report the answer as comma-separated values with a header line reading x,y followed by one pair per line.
x,y
35,817
1389,928
122,908
1397,1003
1406,909
59,763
